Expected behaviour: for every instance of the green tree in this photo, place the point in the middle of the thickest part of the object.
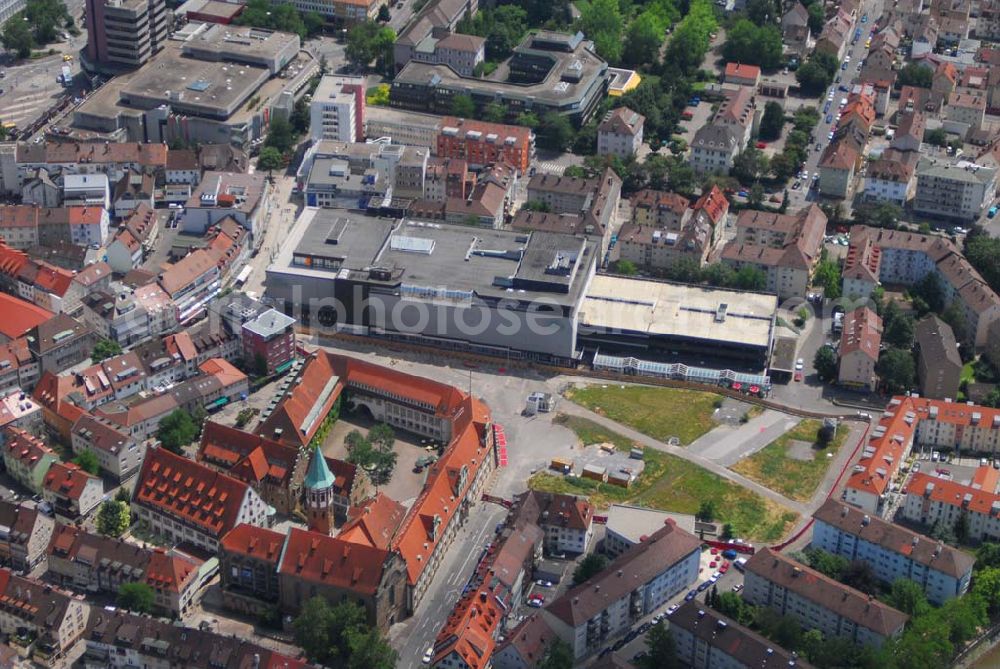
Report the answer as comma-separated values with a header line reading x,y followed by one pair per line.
x,y
601,21
123,495
528,120
930,290
832,565
988,555
750,165
899,332
280,135
382,436
369,649
860,576
983,252
463,106
556,132
908,596
137,597
827,275
816,18
752,44
825,434
749,277
270,159
592,564
915,74
763,12
773,121
727,532
369,41
895,368
643,40
324,632
732,605
314,23
105,348
557,656
177,430
17,36
113,518
661,650
495,112
813,78
756,195
87,462
825,363
626,268
707,511
936,137
383,14
986,586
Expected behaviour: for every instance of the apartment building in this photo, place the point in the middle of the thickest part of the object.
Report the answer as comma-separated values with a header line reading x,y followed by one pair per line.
x,y
960,191
51,619
25,533
92,563
594,200
892,551
890,177
437,19
124,34
566,521
120,640
337,110
72,492
784,247
592,614
480,143
706,639
903,257
840,161
935,501
199,507
59,343
817,601
859,349
118,453
620,133
965,110
191,283
26,458
717,143
939,366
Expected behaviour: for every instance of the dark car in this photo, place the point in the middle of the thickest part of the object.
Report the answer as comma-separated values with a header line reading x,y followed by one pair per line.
x,y
729,554
704,586
691,595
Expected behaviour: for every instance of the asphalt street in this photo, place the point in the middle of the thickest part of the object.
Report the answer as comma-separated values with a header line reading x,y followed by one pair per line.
x,y
799,198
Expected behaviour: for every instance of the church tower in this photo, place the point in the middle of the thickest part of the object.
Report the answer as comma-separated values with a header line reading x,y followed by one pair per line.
x,y
319,494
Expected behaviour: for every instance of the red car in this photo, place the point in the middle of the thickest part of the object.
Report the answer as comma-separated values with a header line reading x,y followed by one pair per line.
x,y
724,568
714,551
712,564
798,376
761,145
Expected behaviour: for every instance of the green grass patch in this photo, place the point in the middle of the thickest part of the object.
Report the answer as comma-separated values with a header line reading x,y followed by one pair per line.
x,y
671,484
660,413
698,86
797,479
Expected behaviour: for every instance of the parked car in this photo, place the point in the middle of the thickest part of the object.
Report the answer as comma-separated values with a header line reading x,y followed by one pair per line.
x,y
691,595
730,554
673,607
544,584
737,587
761,145
428,655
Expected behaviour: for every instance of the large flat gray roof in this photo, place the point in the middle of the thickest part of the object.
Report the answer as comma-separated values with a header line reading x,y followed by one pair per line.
x,y
658,308
201,87
438,257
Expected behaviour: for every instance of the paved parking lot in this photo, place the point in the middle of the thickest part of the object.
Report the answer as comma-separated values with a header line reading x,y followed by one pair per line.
x,y
727,445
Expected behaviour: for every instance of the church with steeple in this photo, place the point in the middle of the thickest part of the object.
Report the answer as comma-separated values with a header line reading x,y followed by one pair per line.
x,y
319,495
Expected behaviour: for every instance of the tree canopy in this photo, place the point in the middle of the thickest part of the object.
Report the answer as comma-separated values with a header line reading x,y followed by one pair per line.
x,y
87,461
752,44
137,597
601,21
896,369
177,430
105,348
113,518
369,41
339,635
592,564
773,121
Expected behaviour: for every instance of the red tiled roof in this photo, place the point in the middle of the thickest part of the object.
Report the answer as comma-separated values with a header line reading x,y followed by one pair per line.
x,y
11,260
976,500
169,572
470,629
181,344
26,447
55,280
257,542
20,316
862,332
319,558
246,456
68,479
179,487
294,412
222,370
444,399
714,203
373,523
742,70
441,497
